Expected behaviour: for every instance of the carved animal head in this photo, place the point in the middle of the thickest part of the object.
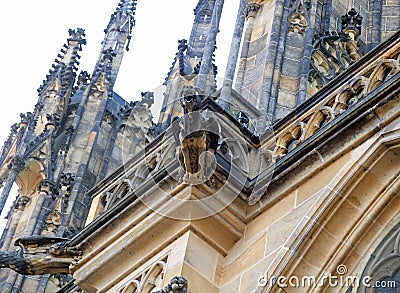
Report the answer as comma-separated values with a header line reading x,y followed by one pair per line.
x,y
190,99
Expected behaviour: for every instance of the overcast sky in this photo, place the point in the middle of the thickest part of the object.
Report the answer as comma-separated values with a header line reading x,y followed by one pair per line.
x,y
33,32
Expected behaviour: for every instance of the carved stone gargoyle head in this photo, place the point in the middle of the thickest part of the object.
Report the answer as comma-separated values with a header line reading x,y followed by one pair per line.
x,y
41,255
190,99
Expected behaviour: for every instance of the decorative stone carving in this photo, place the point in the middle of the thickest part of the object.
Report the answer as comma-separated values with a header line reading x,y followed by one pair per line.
x,y
138,123
177,285
253,9
76,34
83,80
297,23
298,18
65,185
16,164
64,148
98,88
337,103
53,120
384,265
149,280
21,202
25,118
52,223
112,197
334,52
41,255
216,182
197,139
351,24
47,187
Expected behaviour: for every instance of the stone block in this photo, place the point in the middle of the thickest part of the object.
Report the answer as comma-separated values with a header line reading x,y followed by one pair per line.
x,y
391,11
251,276
282,230
258,45
295,40
232,286
322,248
392,3
245,259
392,23
281,112
341,223
269,216
197,282
201,257
294,52
290,67
286,99
370,185
321,179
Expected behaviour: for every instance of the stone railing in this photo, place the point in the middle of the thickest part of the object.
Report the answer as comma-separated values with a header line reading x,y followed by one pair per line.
x,y
345,92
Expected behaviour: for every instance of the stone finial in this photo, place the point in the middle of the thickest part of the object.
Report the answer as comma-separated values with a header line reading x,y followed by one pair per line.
x,y
83,79
127,5
77,35
182,45
25,118
351,23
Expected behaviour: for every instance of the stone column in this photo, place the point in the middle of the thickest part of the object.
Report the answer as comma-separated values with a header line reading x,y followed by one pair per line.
x,y
46,188
226,92
19,207
251,15
17,165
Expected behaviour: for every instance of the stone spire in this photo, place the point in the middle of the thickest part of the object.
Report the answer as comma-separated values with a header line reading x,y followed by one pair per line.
x,y
65,65
118,35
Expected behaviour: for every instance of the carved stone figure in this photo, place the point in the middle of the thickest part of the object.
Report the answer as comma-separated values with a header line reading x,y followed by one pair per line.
x,y
41,255
197,139
21,202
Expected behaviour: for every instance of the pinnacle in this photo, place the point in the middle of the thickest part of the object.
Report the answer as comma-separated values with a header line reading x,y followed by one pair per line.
x,y
127,5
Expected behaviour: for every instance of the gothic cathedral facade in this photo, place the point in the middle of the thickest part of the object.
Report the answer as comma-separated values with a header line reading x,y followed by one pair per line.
x,y
284,178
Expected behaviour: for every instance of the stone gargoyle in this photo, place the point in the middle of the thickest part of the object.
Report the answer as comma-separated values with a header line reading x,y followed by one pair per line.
x,y
41,255
196,137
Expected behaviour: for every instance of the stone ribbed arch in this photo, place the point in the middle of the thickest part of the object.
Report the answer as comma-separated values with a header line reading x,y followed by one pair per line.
x,y
352,215
29,178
